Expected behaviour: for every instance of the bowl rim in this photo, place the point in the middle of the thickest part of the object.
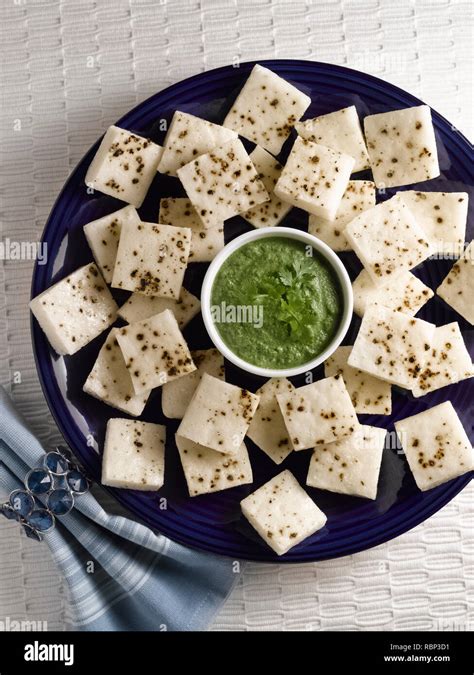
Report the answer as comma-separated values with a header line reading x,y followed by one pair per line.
x,y
290,233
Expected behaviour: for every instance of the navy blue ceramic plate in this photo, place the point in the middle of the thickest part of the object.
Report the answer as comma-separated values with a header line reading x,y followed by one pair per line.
x,y
214,522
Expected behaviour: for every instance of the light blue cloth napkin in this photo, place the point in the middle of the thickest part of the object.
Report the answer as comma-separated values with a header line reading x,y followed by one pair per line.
x,y
120,574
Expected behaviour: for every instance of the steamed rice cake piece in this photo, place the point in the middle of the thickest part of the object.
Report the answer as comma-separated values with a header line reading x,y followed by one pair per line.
x,y
205,242
271,212
442,215
75,310
208,471
124,166
188,137
358,197
222,183
155,351
369,395
151,259
339,130
134,455
103,237
282,513
218,415
448,361
177,394
314,178
266,109
457,288
408,294
110,382
350,466
436,445
318,413
402,146
387,240
392,346
139,307
267,428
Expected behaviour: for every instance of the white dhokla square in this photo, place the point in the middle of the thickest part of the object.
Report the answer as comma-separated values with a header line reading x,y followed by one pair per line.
x,y
222,183
152,259
448,361
282,513
358,197
436,445
155,351
402,146
267,428
103,238
318,413
272,212
392,346
350,466
124,166
75,310
442,215
218,415
266,109
188,137
314,178
134,455
457,288
408,294
369,395
110,382
339,130
176,395
209,471
388,240
206,242
139,307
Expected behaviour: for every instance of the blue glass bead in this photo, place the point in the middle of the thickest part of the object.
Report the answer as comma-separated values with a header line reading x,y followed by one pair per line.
x,y
41,520
39,481
60,502
77,482
56,463
22,502
9,513
31,533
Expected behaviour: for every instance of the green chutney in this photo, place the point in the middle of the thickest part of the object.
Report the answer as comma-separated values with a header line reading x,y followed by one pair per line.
x,y
276,302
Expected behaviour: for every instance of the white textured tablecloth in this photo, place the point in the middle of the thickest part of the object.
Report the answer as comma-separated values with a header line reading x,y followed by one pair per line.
x,y
71,68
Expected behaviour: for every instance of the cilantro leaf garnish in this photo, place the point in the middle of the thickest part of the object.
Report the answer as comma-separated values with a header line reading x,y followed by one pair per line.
x,y
294,291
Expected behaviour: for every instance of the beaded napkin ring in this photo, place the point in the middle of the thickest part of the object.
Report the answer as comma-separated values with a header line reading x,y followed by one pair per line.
x,y
58,481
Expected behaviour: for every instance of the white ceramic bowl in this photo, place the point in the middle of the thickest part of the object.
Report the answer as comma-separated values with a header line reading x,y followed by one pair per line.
x,y
289,233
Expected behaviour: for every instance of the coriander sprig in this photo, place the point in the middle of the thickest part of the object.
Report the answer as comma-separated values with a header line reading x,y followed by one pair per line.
x,y
294,291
